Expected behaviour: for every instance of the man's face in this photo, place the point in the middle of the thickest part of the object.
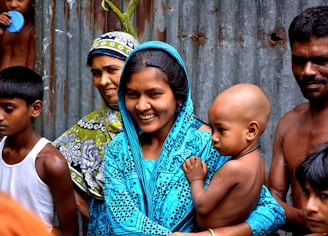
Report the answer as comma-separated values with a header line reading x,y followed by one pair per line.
x,y
310,67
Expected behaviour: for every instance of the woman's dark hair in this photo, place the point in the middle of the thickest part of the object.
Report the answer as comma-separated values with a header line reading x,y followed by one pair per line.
x,y
21,82
314,169
162,60
310,23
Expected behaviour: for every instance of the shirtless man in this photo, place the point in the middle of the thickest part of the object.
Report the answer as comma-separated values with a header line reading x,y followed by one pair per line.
x,y
304,128
17,48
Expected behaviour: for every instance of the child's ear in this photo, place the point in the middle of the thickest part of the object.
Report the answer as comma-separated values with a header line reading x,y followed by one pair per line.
x,y
252,130
36,108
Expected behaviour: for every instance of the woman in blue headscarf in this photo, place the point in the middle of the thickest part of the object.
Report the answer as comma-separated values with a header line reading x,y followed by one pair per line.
x,y
146,191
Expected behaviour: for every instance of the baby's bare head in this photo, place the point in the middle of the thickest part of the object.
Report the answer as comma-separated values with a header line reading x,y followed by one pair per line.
x,y
243,103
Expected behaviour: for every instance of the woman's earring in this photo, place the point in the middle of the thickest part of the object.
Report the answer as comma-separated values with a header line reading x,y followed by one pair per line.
x,y
179,107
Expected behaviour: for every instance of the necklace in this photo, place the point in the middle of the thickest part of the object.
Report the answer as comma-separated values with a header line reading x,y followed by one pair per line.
x,y
243,154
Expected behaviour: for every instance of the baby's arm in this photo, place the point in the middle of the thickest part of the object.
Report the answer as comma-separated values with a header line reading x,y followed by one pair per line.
x,y
196,171
222,184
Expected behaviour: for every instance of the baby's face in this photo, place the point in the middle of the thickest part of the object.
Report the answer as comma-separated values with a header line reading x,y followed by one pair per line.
x,y
228,131
315,206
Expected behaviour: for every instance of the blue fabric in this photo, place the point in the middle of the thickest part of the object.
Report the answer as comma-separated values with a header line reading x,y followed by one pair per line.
x,y
98,222
163,204
268,216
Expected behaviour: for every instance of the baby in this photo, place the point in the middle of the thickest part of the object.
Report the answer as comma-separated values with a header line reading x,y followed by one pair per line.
x,y
238,117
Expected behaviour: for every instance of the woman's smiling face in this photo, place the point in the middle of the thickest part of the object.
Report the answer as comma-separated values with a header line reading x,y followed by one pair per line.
x,y
106,73
150,101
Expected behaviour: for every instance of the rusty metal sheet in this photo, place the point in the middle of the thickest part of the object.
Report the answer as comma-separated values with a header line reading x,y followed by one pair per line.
x,y
223,42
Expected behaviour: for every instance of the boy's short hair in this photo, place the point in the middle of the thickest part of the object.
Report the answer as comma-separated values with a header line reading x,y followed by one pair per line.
x,y
21,82
314,169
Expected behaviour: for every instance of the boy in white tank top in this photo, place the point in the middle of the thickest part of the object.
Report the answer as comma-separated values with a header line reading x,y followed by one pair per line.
x,y
32,171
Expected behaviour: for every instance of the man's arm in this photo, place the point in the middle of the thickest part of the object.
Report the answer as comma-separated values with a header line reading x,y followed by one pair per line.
x,y
279,183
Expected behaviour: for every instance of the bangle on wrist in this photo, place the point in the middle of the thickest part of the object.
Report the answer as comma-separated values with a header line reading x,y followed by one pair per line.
x,y
211,231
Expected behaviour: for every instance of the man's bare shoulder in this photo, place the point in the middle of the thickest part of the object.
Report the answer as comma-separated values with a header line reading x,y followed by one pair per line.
x,y
291,118
296,112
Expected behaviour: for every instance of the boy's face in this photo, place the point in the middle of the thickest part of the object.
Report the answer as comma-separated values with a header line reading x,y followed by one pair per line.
x,y
22,6
315,206
15,115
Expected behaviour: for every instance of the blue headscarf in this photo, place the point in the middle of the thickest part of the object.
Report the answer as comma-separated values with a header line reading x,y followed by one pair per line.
x,y
164,213
185,117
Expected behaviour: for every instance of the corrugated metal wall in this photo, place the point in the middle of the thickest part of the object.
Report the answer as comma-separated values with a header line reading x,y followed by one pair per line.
x,y
222,42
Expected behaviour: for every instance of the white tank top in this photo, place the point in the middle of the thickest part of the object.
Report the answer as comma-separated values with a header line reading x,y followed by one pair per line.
x,y
22,182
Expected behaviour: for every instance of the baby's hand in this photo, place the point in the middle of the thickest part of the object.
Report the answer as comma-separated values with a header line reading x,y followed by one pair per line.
x,y
5,19
195,169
